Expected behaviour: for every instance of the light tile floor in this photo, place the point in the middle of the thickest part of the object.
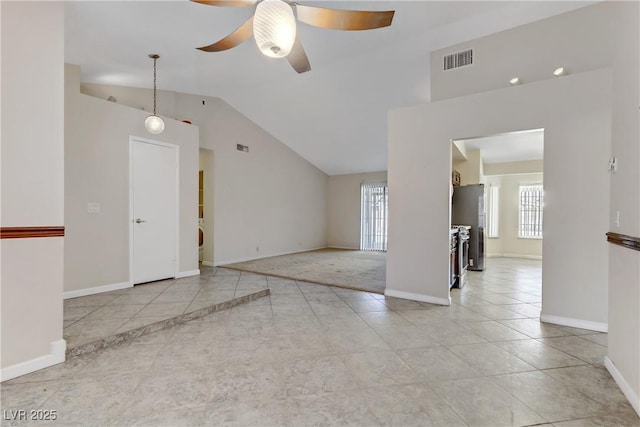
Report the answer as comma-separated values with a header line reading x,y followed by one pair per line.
x,y
311,355
94,317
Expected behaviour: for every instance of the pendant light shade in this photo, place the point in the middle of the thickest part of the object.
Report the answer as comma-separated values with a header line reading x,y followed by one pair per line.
x,y
274,28
154,124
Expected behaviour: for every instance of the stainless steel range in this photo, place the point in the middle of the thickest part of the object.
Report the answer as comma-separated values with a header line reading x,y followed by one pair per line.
x,y
463,253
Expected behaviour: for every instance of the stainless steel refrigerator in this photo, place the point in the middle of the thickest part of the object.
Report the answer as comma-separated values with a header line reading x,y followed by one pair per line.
x,y
467,208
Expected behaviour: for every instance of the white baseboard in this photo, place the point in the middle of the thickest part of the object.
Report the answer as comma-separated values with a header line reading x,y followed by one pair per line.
x,y
188,273
522,256
344,248
56,355
623,384
234,261
96,290
574,323
208,263
416,297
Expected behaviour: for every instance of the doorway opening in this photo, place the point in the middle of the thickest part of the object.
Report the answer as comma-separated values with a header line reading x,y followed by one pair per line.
x,y
505,173
205,207
374,200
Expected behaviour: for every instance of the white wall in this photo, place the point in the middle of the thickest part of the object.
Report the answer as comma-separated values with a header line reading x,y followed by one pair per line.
x,y
579,40
32,185
624,270
344,207
268,201
508,243
575,113
97,170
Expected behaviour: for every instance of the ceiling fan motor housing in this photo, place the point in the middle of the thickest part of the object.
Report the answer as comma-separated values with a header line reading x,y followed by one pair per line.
x,y
274,28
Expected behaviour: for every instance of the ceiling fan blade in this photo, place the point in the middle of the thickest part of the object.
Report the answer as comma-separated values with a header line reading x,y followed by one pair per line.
x,y
298,58
350,20
227,3
242,33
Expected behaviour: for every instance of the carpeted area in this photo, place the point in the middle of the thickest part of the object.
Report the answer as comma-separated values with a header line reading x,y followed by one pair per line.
x,y
360,270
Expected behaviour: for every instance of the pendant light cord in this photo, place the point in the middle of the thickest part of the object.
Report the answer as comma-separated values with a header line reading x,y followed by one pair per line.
x,y
154,85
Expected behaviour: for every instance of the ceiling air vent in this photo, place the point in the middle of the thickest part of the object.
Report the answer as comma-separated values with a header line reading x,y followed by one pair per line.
x,y
458,59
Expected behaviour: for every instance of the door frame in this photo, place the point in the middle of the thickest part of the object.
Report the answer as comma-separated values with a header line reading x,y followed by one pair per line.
x,y
176,149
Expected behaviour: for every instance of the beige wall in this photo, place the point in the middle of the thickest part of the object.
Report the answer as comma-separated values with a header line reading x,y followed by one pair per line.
x,y
624,270
471,170
579,40
268,201
32,185
508,243
97,136
344,207
529,166
575,113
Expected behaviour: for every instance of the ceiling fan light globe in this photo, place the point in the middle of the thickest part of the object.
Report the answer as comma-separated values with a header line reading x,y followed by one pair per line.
x,y
274,28
154,124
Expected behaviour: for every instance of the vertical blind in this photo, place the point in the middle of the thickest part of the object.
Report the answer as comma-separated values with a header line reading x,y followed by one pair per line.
x,y
493,211
373,224
531,206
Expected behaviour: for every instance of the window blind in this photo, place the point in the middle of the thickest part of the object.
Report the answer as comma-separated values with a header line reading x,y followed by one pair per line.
x,y
493,211
531,208
374,210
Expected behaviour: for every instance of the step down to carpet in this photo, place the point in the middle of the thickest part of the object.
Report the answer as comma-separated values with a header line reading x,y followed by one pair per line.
x,y
132,334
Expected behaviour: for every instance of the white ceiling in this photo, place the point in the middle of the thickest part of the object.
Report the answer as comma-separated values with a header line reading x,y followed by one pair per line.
x,y
509,147
335,115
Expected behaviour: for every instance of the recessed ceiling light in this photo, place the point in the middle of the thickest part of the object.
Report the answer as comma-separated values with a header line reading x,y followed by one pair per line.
x,y
515,81
559,72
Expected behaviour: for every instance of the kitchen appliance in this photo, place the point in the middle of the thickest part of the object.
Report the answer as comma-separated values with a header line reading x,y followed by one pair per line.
x,y
453,257
462,259
467,207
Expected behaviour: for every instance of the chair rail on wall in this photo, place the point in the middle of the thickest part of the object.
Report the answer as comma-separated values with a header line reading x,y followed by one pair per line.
x,y
624,240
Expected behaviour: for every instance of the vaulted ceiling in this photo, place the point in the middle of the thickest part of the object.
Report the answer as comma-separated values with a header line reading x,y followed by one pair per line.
x,y
335,115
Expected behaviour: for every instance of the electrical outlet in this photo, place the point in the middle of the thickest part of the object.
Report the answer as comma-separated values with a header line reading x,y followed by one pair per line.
x,y
617,221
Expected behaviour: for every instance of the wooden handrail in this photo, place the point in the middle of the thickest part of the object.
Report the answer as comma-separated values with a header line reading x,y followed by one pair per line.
x,y
624,240
31,232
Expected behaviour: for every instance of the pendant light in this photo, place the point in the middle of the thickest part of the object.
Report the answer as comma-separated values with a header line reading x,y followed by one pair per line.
x,y
154,123
274,28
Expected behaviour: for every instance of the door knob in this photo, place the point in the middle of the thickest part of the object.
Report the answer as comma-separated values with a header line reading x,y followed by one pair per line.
x,y
138,220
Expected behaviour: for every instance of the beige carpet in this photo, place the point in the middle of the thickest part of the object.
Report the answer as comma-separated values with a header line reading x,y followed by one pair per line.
x,y
361,270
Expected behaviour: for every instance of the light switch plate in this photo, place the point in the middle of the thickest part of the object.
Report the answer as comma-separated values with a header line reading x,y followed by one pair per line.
x,y
93,208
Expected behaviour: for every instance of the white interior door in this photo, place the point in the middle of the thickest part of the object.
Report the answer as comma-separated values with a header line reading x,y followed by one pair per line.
x,y
154,202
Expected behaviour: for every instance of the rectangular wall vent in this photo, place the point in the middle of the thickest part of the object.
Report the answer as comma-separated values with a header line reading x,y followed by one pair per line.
x,y
458,59
241,147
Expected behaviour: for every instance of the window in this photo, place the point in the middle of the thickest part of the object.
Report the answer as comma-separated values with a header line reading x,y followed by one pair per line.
x,y
531,204
493,210
373,224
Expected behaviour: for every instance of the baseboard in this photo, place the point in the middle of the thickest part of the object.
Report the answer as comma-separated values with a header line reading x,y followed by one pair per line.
x,y
521,256
56,355
234,261
208,263
96,290
188,273
623,384
416,297
574,323
343,248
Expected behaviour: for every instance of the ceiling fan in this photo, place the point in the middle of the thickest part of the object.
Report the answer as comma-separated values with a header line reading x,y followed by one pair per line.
x,y
273,26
